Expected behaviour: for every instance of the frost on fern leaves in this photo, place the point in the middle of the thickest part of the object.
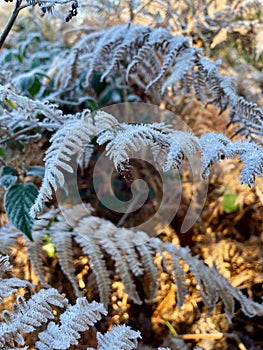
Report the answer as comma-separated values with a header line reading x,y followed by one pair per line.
x,y
169,147
154,60
66,143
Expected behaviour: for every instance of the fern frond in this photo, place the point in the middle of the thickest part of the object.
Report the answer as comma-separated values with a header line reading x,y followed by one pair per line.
x,y
110,245
133,254
180,280
66,142
9,286
62,240
75,319
35,251
176,60
8,236
224,94
213,285
141,242
27,315
119,337
130,254
105,47
4,265
123,140
216,146
169,147
134,37
156,39
251,156
31,108
84,237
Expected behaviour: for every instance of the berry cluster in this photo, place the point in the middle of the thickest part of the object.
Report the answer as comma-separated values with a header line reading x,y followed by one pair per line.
x,y
73,11
46,9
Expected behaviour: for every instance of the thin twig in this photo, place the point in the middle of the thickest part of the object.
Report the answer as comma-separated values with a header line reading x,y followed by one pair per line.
x,y
10,22
18,133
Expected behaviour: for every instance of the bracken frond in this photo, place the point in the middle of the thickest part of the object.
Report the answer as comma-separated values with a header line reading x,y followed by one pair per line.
x,y
27,315
155,60
119,337
67,142
133,253
77,318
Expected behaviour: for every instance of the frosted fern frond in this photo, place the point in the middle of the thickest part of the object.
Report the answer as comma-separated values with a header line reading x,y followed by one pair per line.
x,y
247,114
62,241
27,315
34,248
169,147
119,337
251,156
124,140
8,236
4,265
95,235
213,285
9,286
98,264
68,141
156,60
134,36
179,279
133,254
214,147
130,251
61,237
30,109
217,146
107,239
161,60
77,318
106,45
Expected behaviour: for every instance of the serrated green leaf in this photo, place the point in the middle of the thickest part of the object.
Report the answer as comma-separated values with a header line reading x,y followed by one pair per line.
x,y
17,203
7,181
229,202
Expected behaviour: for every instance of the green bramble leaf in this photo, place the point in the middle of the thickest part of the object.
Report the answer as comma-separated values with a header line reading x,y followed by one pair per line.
x,y
17,203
